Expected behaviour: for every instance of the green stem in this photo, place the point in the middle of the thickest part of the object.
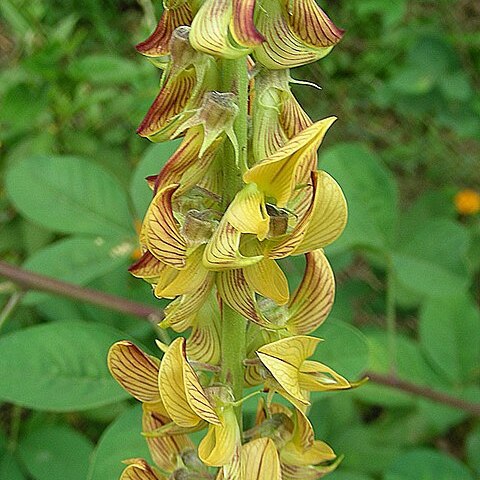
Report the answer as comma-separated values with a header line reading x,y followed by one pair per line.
x,y
234,78
390,316
234,329
9,308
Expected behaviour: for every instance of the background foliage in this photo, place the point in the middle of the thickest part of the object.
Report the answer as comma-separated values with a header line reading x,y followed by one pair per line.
x,y
405,86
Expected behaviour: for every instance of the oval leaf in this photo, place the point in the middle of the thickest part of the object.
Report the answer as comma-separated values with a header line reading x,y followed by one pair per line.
x,y
59,367
56,452
70,195
120,441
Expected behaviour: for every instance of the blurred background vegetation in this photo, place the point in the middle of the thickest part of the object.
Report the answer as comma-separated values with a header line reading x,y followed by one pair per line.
x,y
406,149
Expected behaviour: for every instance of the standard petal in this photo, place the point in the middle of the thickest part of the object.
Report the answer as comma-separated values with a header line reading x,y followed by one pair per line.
x,y
181,313
203,345
283,48
242,25
162,231
163,449
275,175
312,25
211,30
134,370
260,460
172,386
312,301
329,216
235,291
176,13
162,118
149,268
191,278
313,472
139,469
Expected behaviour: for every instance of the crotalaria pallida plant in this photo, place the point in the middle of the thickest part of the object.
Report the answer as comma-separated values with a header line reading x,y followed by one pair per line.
x,y
241,193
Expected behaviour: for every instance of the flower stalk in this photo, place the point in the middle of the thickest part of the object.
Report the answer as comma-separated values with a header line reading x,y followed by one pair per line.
x,y
241,193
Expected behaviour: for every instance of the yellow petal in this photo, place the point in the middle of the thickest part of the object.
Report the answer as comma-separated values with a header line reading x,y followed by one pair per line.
x,y
247,213
312,301
317,377
312,472
150,268
203,345
157,44
235,291
181,313
210,30
329,216
162,118
268,279
283,48
165,449
260,460
284,358
284,246
181,391
312,25
172,386
242,25
275,175
219,445
191,278
223,250
134,370
162,231
318,453
140,470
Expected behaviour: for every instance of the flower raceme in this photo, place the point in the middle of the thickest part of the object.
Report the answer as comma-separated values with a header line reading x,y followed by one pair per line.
x,y
241,194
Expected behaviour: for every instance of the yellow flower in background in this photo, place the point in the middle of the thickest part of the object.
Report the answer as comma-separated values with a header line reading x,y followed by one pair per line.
x,y
467,202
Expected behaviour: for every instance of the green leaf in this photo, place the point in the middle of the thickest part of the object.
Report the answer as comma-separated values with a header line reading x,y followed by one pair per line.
x,y
9,468
450,337
342,474
345,348
432,262
371,195
105,69
120,441
56,452
410,366
151,163
425,464
77,260
70,195
473,449
59,367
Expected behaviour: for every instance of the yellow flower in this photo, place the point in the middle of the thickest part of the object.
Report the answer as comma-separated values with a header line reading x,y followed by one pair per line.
x,y
467,202
278,116
281,33
188,405
189,75
292,375
137,373
260,460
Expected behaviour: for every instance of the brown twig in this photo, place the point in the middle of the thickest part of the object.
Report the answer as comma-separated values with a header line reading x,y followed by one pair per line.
x,y
425,392
36,281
